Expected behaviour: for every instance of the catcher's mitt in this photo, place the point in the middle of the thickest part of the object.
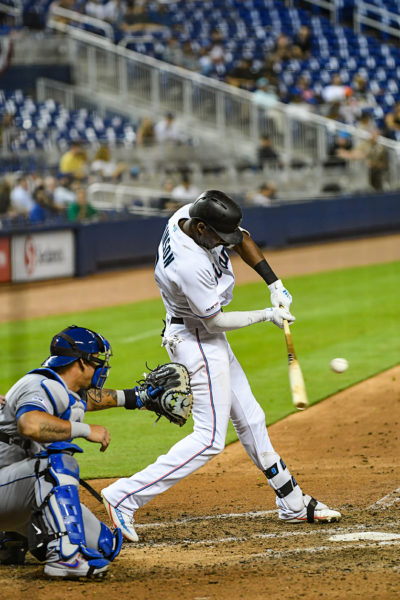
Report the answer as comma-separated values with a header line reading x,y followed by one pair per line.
x,y
166,391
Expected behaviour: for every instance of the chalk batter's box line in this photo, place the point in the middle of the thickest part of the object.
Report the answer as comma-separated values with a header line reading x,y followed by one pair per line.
x,y
387,500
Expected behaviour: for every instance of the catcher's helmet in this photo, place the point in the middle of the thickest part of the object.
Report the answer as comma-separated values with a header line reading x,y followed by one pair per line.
x,y
74,343
219,212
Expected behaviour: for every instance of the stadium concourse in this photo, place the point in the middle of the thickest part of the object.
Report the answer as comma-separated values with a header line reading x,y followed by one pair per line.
x,y
205,539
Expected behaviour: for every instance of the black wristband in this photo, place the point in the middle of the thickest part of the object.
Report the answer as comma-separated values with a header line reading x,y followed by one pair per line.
x,y
263,269
130,399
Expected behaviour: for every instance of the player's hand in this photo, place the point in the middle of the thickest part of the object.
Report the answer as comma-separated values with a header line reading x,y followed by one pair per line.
x,y
277,314
2,400
99,435
279,295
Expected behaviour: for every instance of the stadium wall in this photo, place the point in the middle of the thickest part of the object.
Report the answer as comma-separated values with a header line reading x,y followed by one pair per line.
x,y
81,249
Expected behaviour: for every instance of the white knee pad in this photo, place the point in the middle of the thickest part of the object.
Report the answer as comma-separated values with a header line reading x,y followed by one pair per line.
x,y
282,482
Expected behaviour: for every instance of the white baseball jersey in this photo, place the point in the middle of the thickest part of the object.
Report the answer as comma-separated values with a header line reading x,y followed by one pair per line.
x,y
194,282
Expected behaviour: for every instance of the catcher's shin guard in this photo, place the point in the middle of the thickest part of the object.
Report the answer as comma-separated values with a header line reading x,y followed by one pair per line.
x,y
282,482
57,533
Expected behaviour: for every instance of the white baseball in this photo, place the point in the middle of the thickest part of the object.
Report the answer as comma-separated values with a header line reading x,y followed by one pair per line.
x,y
339,365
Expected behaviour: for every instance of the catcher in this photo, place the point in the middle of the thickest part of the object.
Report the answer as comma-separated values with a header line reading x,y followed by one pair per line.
x,y
39,474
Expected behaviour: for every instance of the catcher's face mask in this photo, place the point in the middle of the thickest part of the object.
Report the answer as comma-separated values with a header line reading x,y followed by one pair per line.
x,y
74,343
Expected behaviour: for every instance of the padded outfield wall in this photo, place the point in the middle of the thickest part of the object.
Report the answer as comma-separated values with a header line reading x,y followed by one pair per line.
x,y
45,252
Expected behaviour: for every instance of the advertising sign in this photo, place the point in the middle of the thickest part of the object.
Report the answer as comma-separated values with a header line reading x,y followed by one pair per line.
x,y
42,256
5,267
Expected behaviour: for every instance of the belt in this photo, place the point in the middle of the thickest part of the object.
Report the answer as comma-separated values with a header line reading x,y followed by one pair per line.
x,y
7,439
177,321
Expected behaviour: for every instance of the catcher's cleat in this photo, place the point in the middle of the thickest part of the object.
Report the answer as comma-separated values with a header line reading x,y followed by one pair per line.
x,y
121,520
314,512
77,566
13,548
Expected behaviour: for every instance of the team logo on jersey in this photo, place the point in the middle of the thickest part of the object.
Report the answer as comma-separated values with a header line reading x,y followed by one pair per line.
x,y
213,307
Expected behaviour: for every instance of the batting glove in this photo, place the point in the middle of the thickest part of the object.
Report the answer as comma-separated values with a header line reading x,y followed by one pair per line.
x,y
277,314
279,295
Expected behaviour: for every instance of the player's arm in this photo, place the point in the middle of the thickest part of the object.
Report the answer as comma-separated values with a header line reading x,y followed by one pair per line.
x,y
228,321
252,255
44,428
101,399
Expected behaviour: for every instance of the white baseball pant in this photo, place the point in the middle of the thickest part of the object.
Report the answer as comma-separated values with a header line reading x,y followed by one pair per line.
x,y
221,392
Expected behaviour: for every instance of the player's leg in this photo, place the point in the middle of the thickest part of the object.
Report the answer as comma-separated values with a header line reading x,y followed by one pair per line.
x,y
249,421
17,483
71,541
206,358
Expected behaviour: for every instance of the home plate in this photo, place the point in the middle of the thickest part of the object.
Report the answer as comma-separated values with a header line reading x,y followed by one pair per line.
x,y
375,536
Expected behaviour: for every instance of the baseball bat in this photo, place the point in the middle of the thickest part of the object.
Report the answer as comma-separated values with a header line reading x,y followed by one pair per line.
x,y
296,380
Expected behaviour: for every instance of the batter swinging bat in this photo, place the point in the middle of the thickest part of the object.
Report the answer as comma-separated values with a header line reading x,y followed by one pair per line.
x,y
297,387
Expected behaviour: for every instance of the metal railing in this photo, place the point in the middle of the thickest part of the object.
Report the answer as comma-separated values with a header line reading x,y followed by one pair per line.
x,y
63,19
382,14
126,198
230,116
13,8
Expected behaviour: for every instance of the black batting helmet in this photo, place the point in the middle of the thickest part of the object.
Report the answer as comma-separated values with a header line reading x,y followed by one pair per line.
x,y
217,210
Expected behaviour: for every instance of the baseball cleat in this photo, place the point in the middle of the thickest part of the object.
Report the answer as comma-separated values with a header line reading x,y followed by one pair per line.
x,y
314,512
77,566
121,520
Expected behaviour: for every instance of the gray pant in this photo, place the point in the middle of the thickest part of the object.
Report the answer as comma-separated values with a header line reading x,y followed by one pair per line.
x,y
17,500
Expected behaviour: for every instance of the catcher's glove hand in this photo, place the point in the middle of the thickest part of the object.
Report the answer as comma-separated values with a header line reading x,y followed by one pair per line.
x,y
166,391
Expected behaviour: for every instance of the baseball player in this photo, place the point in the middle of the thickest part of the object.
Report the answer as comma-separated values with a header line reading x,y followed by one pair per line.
x,y
194,274
39,476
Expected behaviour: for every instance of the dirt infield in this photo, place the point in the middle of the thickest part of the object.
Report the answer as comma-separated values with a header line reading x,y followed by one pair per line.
x,y
215,535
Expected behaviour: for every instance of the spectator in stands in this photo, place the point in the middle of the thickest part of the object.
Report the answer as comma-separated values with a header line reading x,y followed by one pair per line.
x,y
114,11
190,58
366,121
366,99
104,167
63,192
336,91
145,134
167,130
265,94
303,93
74,162
392,123
165,201
263,196
81,209
283,48
185,191
376,157
138,18
302,43
95,9
44,208
6,123
341,142
281,53
267,156
21,198
333,112
243,75
349,110
5,200
173,52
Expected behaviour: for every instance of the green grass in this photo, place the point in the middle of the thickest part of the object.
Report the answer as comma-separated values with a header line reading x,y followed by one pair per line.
x,y
351,313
